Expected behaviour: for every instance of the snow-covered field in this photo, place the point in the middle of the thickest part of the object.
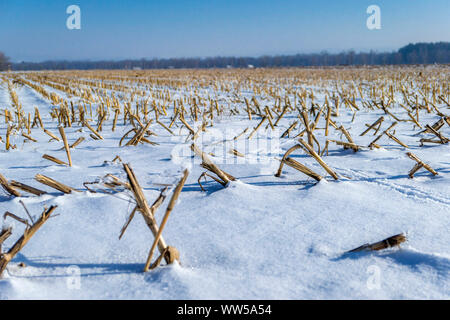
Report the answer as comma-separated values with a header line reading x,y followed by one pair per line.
x,y
261,237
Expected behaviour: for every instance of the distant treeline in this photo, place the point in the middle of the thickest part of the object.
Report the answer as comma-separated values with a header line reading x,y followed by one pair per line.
x,y
419,53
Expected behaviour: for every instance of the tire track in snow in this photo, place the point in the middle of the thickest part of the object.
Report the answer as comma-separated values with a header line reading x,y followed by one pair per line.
x,y
409,191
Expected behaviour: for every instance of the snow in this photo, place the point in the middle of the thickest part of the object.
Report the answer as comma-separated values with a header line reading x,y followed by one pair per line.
x,y
262,237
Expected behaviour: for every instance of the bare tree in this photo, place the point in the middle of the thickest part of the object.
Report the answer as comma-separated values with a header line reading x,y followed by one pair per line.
x,y
4,62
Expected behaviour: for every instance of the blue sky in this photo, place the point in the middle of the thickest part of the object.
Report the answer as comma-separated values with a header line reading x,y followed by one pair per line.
x,y
35,30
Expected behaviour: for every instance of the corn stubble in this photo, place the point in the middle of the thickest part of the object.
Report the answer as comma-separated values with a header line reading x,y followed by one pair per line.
x,y
140,102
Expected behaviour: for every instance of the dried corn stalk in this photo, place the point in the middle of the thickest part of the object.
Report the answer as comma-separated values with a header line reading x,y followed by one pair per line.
x,y
53,159
420,164
23,240
26,188
144,208
53,184
8,187
209,165
318,159
383,244
173,253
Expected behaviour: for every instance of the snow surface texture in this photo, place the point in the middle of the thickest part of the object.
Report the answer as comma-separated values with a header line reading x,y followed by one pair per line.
x,y
262,237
